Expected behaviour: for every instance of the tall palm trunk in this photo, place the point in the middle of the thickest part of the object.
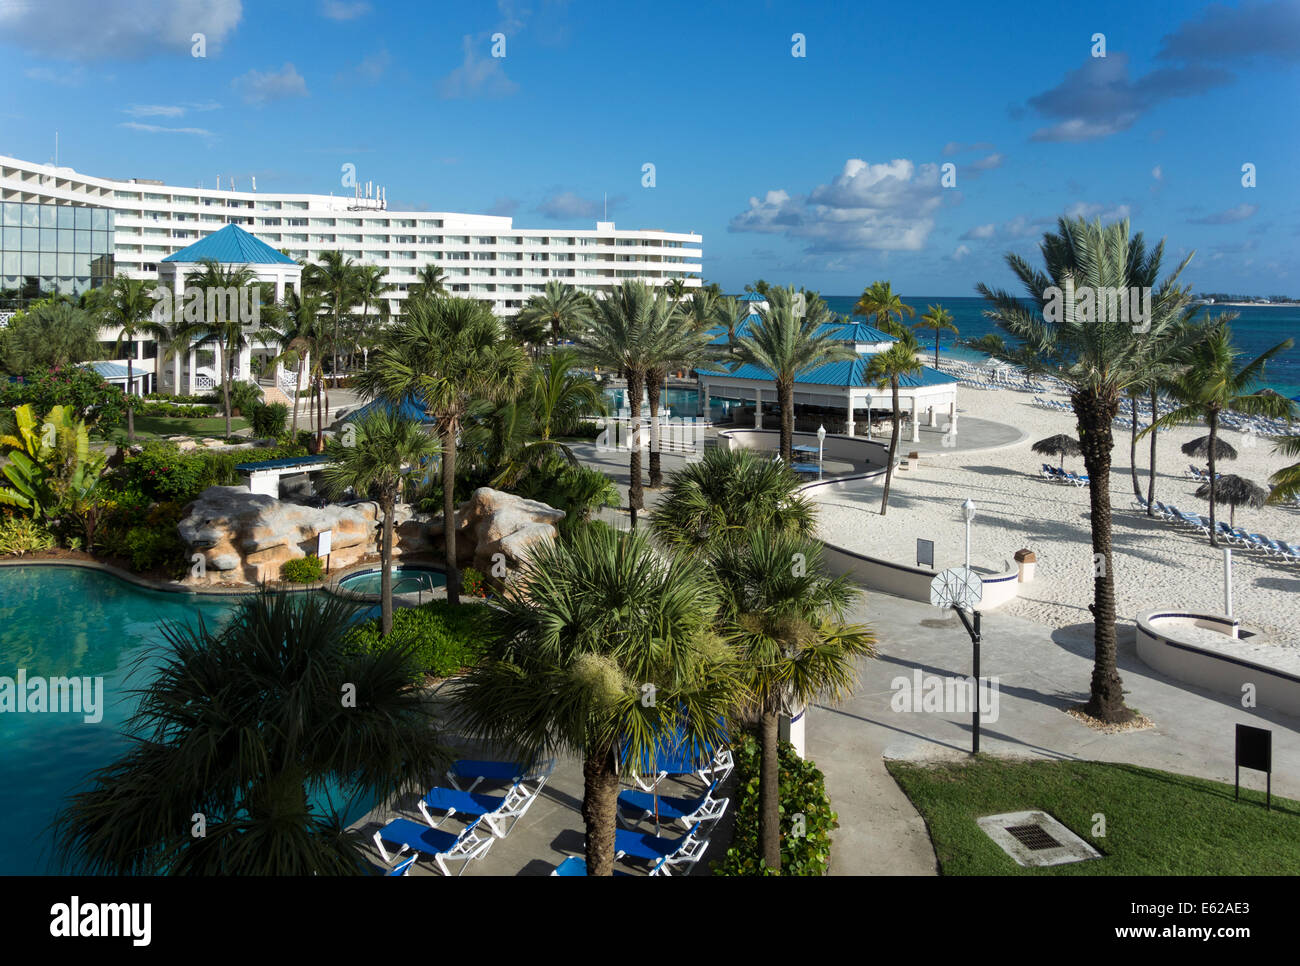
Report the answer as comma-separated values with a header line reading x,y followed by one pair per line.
x,y
1095,415
297,392
936,348
785,398
386,564
1133,446
1151,479
769,791
130,400
225,390
449,509
1213,415
652,386
599,800
636,495
893,447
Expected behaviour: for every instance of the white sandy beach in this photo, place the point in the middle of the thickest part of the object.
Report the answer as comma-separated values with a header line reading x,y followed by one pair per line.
x,y
1157,564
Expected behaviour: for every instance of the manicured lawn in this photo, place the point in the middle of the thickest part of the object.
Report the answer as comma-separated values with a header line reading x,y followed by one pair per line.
x,y
167,426
1157,823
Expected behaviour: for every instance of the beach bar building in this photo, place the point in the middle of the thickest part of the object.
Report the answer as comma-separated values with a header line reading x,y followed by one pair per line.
x,y
840,388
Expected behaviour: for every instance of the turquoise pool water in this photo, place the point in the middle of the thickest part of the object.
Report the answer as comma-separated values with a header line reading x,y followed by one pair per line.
x,y
65,621
406,580
680,403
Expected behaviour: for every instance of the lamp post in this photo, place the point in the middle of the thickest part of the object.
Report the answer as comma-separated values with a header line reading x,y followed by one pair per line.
x,y
968,510
821,445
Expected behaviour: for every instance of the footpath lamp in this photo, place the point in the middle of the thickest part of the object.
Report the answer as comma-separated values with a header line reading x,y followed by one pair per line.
x,y
821,446
968,511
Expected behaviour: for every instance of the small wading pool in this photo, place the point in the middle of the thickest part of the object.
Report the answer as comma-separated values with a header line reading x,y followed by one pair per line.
x,y
406,580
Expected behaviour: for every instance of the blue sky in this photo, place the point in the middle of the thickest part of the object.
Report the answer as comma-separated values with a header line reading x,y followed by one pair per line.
x,y
824,170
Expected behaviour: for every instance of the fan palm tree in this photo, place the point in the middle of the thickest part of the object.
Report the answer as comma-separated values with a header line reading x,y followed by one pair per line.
x,y
787,345
618,337
561,396
430,282
676,341
220,325
887,369
789,624
128,305
562,308
594,625
1213,382
445,353
242,724
884,308
1098,358
726,494
49,335
938,319
1286,481
372,289
385,448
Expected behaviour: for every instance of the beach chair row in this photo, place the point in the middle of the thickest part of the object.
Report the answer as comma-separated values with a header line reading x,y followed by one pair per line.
x,y
1198,474
1058,475
1278,549
642,803
487,817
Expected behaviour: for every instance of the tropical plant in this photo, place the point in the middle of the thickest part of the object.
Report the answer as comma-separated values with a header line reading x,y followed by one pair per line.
x,y
676,289
1098,355
788,345
887,369
90,397
444,640
430,282
20,535
243,724
721,497
444,354
938,320
336,278
589,622
1212,382
372,290
676,340
220,326
560,308
384,448
788,618
128,304
301,339
303,570
884,308
47,335
49,459
1286,481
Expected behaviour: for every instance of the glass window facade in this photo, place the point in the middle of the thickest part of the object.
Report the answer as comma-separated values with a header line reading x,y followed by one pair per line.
x,y
53,248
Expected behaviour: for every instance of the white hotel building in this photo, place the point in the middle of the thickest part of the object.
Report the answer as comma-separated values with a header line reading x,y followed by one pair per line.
x,y
483,256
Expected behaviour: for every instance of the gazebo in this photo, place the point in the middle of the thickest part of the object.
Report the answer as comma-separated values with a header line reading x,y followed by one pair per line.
x,y
232,248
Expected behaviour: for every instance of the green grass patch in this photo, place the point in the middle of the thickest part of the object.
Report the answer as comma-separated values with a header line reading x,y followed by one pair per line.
x,y
147,426
1157,823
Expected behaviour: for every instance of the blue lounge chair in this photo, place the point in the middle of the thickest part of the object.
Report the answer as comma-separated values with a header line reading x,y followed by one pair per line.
x,y
687,811
577,865
493,810
684,850
435,843
510,772
1290,551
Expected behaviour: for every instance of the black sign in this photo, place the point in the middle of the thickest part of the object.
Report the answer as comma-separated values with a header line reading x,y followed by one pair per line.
x,y
1255,750
925,553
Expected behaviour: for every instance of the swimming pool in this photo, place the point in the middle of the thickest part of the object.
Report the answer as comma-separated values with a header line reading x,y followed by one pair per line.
x,y
65,621
406,580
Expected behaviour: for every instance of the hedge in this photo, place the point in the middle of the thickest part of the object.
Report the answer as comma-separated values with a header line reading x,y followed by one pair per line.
x,y
445,639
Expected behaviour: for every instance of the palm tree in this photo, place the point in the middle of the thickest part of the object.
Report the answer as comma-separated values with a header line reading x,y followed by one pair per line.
x,y
128,304
594,625
618,337
371,288
887,369
884,308
300,334
225,332
241,724
796,646
386,447
1098,358
560,395
445,353
938,319
48,335
430,282
1286,481
787,345
724,495
337,279
676,289
676,341
561,307
1212,382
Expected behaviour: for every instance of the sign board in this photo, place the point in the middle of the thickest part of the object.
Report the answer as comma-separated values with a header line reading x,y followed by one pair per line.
x,y
956,587
925,553
1255,750
323,543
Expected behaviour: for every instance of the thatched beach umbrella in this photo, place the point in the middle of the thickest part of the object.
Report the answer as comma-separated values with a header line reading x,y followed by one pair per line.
x,y
1234,491
1058,445
1201,447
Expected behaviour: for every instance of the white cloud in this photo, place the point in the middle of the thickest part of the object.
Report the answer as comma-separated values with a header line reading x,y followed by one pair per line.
x,y
981,231
339,10
1231,216
477,76
1090,211
988,163
567,204
960,252
157,129
131,29
63,76
167,110
259,87
1157,173
887,206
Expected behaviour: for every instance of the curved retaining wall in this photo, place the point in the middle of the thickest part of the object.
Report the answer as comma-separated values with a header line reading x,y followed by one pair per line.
x,y
851,449
912,583
1159,645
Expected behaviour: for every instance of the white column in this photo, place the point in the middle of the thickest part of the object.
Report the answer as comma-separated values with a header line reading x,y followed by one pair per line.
x,y
952,416
758,407
851,426
245,369
194,364
176,372
916,426
934,415
868,417
279,287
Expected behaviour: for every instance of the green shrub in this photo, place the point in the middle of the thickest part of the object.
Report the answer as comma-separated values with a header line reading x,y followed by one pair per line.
x,y
245,396
162,472
269,419
443,638
23,535
145,536
472,583
802,792
173,410
303,570
91,397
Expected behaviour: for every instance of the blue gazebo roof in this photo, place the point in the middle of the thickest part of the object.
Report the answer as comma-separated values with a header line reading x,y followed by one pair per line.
x,y
231,245
411,409
752,297
852,332
848,373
